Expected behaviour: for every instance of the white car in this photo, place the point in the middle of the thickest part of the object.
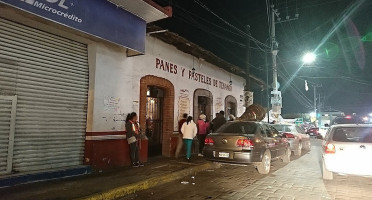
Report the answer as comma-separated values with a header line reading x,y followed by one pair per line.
x,y
347,149
296,137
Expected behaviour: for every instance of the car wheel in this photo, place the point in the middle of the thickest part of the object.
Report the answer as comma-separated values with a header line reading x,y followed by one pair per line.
x,y
327,175
298,151
286,158
264,166
308,146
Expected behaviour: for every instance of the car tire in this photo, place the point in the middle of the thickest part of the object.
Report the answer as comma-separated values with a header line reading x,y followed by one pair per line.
x,y
327,175
264,166
286,158
308,146
298,151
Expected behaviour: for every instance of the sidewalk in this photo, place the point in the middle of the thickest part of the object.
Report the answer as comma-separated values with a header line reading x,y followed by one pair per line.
x,y
109,184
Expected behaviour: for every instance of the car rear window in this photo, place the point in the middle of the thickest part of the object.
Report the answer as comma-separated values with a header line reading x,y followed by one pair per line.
x,y
353,134
238,127
343,120
282,128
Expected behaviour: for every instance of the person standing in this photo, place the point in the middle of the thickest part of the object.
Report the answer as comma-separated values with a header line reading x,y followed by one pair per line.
x,y
189,131
133,136
203,127
180,135
219,121
231,117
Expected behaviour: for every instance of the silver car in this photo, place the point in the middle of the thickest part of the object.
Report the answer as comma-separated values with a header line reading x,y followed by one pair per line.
x,y
246,142
347,149
296,136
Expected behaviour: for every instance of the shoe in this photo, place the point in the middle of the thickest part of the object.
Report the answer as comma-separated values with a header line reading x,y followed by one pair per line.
x,y
140,164
200,155
135,165
188,159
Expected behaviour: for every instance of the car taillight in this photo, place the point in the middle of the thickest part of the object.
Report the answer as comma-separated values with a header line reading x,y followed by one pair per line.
x,y
288,135
209,141
244,143
330,149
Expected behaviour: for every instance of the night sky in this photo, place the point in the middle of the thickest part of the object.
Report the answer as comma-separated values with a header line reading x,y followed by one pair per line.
x,y
337,29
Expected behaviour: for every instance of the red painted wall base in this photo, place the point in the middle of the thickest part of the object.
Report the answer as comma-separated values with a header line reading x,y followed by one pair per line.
x,y
110,153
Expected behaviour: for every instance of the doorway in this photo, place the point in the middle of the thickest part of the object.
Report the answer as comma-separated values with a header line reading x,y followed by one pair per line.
x,y
230,106
165,95
154,120
203,104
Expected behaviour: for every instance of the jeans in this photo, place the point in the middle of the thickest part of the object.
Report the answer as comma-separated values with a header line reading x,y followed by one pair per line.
x,y
179,145
188,144
201,138
133,150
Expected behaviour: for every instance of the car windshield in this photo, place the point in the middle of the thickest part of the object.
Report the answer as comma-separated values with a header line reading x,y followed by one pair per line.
x,y
282,128
238,127
353,134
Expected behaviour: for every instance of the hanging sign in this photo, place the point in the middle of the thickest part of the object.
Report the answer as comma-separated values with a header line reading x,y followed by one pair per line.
x,y
99,18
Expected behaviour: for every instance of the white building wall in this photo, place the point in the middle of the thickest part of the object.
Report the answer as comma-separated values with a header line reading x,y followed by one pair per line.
x,y
117,82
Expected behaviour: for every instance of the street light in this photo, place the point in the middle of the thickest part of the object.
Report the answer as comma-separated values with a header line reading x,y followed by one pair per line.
x,y
309,58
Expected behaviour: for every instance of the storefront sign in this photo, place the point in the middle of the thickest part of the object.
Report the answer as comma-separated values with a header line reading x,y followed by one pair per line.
x,y
248,98
183,103
99,18
187,73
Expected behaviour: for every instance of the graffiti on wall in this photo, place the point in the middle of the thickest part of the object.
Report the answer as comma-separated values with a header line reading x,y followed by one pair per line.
x,y
219,104
111,104
113,115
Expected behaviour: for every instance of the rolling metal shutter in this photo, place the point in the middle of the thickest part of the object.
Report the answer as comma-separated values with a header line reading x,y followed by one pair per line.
x,y
49,74
7,124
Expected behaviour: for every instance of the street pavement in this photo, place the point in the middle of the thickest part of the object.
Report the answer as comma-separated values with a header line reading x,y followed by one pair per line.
x,y
300,179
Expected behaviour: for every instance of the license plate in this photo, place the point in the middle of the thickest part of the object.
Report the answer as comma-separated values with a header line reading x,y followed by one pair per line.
x,y
223,155
311,133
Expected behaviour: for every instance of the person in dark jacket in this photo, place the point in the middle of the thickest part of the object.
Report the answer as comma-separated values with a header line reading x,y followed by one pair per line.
x,y
219,120
133,136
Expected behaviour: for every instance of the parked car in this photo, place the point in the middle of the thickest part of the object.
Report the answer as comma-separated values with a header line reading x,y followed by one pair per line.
x,y
347,149
246,142
315,133
296,136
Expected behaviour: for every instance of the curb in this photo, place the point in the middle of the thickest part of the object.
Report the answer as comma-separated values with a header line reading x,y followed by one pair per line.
x,y
124,190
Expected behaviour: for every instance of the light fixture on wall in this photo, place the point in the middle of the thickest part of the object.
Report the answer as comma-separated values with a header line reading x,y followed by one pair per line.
x,y
193,68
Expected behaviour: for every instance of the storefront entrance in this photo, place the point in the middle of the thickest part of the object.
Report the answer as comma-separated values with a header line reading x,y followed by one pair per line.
x,y
203,102
154,119
230,106
156,113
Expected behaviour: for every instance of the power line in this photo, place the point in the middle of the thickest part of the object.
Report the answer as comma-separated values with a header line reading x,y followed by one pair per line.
x,y
232,26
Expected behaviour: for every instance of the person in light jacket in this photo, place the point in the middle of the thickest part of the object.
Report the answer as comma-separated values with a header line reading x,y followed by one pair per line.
x,y
189,131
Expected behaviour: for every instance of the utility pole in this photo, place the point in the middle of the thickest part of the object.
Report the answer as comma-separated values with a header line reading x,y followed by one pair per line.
x,y
276,96
247,58
276,99
248,95
315,99
267,89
